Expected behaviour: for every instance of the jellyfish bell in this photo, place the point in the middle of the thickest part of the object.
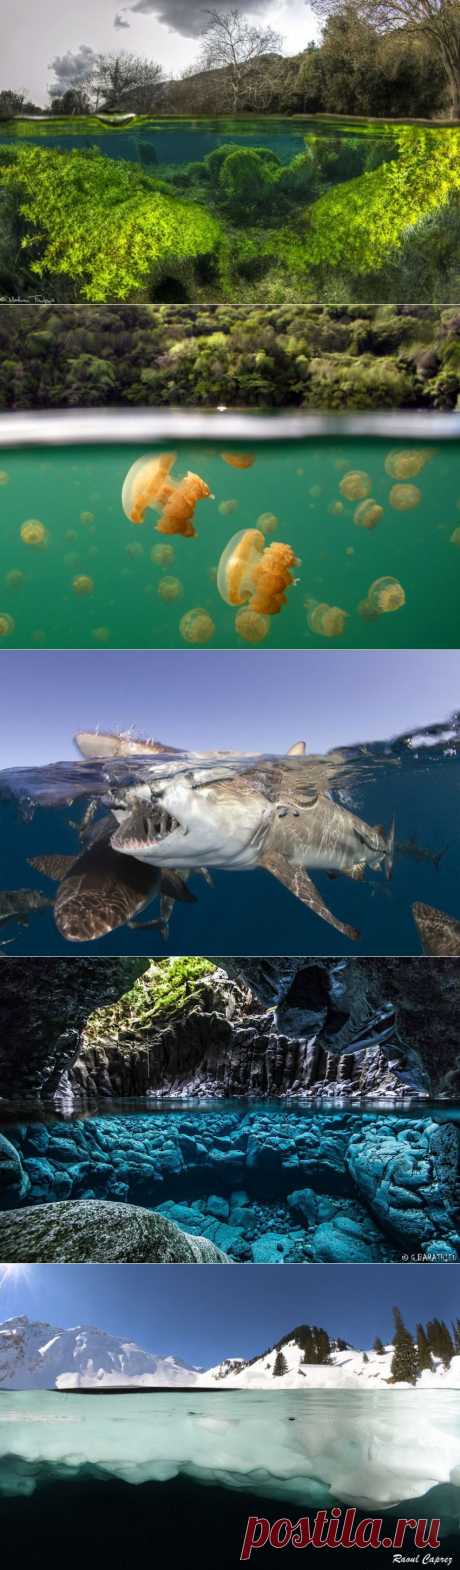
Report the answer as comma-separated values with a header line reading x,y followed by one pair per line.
x,y
178,514
455,537
83,584
4,477
33,533
134,548
101,634
268,522
404,497
367,611
170,589
355,485
7,624
327,620
251,626
404,464
335,508
368,514
252,572
87,518
386,594
147,485
196,626
16,578
227,507
162,555
238,460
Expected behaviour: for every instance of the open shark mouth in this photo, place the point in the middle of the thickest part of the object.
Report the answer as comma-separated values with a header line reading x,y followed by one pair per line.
x,y
143,830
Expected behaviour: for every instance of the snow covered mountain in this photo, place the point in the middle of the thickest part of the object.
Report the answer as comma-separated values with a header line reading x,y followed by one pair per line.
x,y
36,1356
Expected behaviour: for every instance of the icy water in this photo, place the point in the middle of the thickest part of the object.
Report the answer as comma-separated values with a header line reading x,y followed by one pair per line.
x,y
414,778
377,555
271,1184
129,1470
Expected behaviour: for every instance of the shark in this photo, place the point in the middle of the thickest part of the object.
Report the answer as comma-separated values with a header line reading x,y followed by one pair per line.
x,y
270,815
98,890
439,933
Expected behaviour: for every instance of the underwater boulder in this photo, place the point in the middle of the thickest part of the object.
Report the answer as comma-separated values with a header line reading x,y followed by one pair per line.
x,y
341,1242
96,1231
407,1176
13,1179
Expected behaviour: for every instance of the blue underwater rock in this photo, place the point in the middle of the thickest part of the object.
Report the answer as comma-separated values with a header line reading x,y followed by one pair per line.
x,y
266,1183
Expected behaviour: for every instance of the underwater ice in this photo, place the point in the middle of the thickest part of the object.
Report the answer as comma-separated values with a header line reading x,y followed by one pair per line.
x,y
375,1450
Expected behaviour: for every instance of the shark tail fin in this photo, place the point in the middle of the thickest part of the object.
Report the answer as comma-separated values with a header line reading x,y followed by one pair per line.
x,y
390,849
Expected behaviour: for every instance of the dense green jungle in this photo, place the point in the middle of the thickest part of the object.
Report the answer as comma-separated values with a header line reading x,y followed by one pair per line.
x,y
369,212
311,357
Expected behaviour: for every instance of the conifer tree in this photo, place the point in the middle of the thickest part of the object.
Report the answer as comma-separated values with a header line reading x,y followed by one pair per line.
x,y
378,1346
404,1360
280,1365
423,1350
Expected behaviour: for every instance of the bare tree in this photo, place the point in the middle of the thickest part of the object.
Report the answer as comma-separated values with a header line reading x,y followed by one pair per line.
x,y
232,43
437,21
125,82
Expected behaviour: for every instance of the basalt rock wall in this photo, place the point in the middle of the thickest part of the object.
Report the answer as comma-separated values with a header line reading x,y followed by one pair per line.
x,y
44,1004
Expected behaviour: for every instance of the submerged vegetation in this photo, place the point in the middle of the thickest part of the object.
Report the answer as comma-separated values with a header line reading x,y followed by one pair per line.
x,y
336,221
312,357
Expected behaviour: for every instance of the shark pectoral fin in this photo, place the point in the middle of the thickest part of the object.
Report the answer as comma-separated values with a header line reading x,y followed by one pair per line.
x,y
356,873
175,888
204,873
299,883
144,926
55,867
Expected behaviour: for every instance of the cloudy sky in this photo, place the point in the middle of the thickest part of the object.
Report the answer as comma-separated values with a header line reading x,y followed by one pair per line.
x,y
168,31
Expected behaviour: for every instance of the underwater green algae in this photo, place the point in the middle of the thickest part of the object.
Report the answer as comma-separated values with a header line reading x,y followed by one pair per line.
x,y
108,227
239,223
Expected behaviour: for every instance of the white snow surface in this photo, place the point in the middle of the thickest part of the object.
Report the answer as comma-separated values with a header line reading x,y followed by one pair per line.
x,y
35,1356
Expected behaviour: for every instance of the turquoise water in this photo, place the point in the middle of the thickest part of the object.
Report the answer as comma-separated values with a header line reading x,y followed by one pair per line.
x,y
297,491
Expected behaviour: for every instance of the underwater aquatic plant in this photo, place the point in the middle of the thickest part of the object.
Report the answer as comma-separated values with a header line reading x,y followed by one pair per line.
x,y
106,224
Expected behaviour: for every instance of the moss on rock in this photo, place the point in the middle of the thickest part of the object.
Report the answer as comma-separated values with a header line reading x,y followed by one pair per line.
x,y
84,1231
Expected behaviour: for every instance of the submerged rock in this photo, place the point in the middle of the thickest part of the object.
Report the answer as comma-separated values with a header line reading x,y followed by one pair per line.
x,y
97,1231
13,1179
407,1175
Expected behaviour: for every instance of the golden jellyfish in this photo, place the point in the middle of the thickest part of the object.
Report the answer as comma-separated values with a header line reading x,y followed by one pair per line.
x,y
33,533
162,555
196,626
327,620
87,518
226,508
315,492
134,548
170,588
367,611
368,514
355,485
386,594
251,626
71,535
15,578
38,635
350,550
178,514
335,508
454,538
404,497
405,464
7,625
101,634
83,585
4,477
147,484
268,522
238,460
249,570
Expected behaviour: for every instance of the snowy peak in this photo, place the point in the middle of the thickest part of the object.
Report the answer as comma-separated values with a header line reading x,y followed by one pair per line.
x,y
35,1356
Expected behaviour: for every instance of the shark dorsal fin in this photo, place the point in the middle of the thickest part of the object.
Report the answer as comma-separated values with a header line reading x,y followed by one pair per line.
x,y
297,750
